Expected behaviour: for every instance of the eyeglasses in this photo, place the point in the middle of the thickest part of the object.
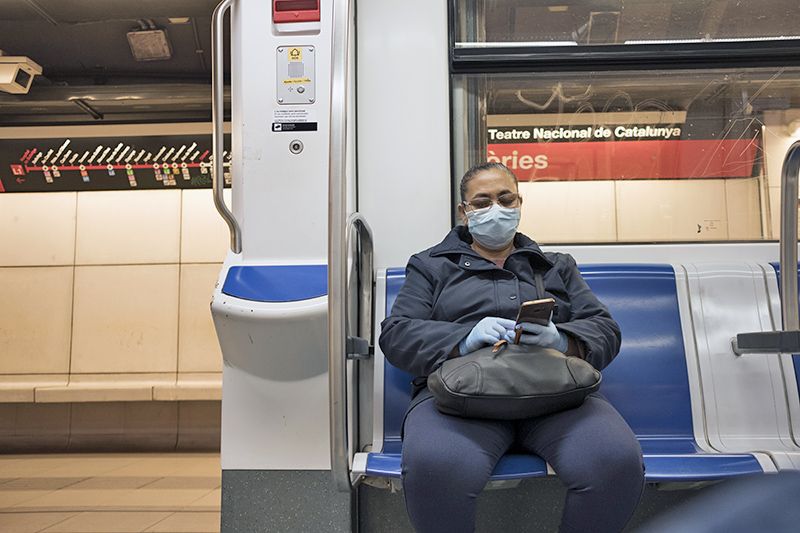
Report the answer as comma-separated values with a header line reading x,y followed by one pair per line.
x,y
509,199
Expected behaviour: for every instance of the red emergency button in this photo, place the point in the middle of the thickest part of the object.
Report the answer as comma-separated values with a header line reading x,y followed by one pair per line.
x,y
295,11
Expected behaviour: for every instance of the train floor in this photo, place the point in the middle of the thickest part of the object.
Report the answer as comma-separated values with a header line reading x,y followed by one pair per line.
x,y
110,493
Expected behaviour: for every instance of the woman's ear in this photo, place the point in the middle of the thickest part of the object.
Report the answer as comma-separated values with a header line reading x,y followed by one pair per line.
x,y
462,215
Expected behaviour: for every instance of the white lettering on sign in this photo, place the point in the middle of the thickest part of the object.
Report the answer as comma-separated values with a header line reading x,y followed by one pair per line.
x,y
582,133
562,133
637,132
294,114
496,135
515,162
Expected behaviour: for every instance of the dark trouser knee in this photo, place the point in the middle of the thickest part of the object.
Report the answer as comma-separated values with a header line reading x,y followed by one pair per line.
x,y
446,463
613,470
441,489
603,495
437,469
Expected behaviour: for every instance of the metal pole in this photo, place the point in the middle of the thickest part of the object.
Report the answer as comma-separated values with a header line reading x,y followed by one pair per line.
x,y
358,224
218,119
337,252
789,190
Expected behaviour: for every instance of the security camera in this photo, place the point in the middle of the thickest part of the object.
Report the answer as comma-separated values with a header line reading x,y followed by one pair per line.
x,y
16,74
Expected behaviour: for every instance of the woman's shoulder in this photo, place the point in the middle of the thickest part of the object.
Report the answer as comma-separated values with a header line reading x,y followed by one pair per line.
x,y
562,262
453,243
427,260
560,258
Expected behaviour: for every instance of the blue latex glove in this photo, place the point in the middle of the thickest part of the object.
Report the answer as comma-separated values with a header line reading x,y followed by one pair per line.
x,y
545,336
486,332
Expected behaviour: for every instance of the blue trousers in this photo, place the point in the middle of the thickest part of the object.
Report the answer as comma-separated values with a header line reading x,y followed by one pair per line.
x,y
447,461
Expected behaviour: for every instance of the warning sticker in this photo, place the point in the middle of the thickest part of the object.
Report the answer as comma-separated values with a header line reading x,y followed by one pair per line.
x,y
294,114
295,54
294,126
294,119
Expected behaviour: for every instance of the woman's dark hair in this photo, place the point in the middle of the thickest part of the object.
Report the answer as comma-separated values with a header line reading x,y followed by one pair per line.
x,y
477,169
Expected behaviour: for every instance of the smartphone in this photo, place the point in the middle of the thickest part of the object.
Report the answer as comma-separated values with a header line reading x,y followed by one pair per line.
x,y
536,311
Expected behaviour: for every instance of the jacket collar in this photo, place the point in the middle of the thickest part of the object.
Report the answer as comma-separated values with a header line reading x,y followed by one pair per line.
x,y
458,241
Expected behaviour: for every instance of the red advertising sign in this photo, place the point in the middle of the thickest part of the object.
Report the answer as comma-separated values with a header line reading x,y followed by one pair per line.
x,y
621,153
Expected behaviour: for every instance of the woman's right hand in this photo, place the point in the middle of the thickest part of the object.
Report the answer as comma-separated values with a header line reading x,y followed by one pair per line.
x,y
486,332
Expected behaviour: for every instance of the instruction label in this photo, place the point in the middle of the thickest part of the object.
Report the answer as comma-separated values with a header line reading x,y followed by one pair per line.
x,y
295,119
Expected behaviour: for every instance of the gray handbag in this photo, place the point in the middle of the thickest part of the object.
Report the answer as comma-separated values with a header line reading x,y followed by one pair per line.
x,y
512,381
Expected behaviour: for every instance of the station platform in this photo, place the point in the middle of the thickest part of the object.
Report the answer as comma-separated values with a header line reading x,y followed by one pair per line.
x,y
110,493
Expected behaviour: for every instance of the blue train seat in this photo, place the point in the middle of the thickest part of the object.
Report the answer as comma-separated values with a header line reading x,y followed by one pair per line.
x,y
647,383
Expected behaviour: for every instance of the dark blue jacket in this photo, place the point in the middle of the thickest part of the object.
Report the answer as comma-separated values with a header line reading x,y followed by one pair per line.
x,y
450,287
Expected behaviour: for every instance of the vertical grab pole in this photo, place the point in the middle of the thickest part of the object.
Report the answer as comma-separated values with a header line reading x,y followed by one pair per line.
x,y
218,120
787,339
789,190
337,253
366,263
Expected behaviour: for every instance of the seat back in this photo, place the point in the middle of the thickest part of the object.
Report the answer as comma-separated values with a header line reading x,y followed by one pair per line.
x,y
647,382
396,383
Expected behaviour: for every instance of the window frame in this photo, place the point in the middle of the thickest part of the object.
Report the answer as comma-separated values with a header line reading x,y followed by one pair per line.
x,y
499,58
467,61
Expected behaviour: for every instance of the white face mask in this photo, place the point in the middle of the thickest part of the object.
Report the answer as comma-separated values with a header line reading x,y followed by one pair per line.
x,y
493,227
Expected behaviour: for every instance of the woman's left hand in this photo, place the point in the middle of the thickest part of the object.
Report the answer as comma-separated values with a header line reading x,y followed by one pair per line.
x,y
545,336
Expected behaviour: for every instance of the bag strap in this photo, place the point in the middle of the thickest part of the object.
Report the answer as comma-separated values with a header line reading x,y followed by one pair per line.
x,y
539,284
537,279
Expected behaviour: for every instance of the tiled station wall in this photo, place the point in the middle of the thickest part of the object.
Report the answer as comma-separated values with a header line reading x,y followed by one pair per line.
x,y
642,211
665,210
781,130
111,284
106,338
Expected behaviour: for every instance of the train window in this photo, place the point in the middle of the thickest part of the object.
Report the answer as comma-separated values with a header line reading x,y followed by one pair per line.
x,y
647,156
607,22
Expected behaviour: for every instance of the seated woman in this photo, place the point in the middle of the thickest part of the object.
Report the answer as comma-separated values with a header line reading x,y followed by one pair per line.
x,y
463,294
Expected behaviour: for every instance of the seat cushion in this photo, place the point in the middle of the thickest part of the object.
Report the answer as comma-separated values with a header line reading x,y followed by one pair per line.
x,y
510,466
669,466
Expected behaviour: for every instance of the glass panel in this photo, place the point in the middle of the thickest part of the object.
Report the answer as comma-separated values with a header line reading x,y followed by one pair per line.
x,y
644,157
602,22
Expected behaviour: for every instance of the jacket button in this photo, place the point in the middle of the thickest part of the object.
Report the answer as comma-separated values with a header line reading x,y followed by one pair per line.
x,y
512,297
466,263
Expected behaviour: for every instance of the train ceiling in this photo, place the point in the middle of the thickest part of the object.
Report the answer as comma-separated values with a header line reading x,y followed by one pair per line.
x,y
85,41
86,56
91,75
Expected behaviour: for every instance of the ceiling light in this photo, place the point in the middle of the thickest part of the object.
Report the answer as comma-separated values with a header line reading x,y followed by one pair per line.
x,y
149,45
